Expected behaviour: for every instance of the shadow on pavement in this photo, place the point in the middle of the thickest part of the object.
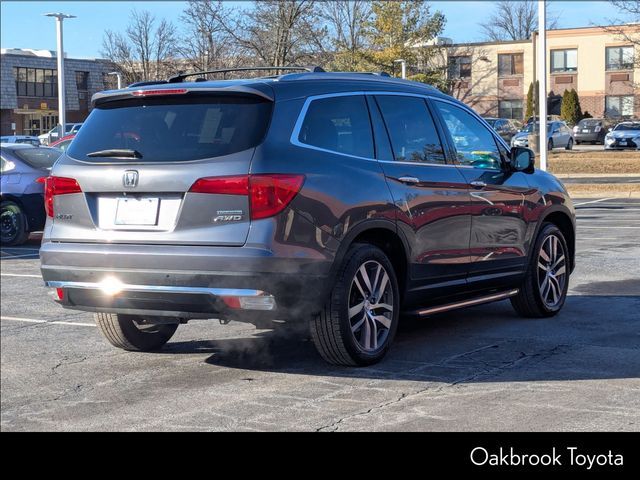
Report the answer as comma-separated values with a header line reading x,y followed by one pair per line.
x,y
594,337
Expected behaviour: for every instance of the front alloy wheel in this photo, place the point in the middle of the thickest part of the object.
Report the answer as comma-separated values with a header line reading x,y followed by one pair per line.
x,y
552,271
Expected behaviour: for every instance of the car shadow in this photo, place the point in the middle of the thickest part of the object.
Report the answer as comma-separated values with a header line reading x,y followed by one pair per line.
x,y
594,337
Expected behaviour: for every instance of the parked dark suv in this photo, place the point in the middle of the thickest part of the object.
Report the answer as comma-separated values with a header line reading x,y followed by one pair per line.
x,y
339,199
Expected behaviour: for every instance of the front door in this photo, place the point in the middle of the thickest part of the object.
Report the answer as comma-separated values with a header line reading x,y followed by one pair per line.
x,y
431,195
498,225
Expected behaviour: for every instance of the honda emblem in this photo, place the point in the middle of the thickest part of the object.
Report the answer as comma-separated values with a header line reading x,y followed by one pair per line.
x,y
130,179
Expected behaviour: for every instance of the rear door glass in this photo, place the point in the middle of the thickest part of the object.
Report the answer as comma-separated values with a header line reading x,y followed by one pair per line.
x,y
413,133
339,124
171,129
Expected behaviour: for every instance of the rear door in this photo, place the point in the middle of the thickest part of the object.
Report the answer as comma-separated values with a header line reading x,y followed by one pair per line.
x,y
137,161
498,226
431,196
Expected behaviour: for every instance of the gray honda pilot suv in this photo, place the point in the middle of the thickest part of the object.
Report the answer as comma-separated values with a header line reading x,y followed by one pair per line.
x,y
339,199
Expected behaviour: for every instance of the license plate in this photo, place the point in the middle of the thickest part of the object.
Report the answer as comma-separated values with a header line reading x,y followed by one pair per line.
x,y
585,131
137,211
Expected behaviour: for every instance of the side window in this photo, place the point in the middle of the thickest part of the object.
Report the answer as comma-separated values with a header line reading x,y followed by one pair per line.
x,y
339,124
474,143
414,137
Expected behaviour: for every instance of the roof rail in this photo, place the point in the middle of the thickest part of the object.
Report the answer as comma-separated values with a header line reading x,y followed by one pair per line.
x,y
149,82
181,76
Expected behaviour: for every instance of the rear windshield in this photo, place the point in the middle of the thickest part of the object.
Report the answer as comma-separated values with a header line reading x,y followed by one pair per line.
x,y
590,123
170,129
38,157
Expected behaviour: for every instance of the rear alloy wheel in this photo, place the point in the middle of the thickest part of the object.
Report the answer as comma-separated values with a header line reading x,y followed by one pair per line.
x,y
569,144
544,289
13,225
134,333
358,323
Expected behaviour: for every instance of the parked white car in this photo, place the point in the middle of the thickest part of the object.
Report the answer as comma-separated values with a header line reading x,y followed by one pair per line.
x,y
625,135
52,135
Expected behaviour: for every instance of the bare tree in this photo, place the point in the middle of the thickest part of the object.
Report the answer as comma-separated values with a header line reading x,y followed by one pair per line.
x,y
348,22
207,44
140,34
279,32
630,12
116,48
514,20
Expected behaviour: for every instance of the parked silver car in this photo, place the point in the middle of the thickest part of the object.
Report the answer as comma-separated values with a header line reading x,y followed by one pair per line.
x,y
625,135
559,135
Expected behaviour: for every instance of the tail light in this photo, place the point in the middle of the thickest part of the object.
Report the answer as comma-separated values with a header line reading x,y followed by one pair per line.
x,y
57,186
576,129
268,194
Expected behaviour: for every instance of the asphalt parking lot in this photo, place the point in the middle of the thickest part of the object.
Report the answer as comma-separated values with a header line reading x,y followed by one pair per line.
x,y
478,369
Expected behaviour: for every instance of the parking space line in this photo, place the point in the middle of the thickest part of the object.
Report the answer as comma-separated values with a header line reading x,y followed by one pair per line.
x,y
594,201
607,228
53,322
20,275
35,255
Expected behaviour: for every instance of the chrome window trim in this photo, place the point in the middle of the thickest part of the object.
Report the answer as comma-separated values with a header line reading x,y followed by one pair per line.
x,y
295,134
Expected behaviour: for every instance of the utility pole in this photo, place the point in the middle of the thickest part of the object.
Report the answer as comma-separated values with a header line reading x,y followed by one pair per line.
x,y
62,112
542,78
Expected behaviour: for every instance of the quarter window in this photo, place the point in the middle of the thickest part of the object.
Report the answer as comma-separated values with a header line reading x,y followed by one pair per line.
x,y
620,58
564,60
474,143
414,137
339,124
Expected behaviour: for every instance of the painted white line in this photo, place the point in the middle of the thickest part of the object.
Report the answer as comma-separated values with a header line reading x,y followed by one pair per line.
x,y
581,227
20,256
594,201
55,322
20,275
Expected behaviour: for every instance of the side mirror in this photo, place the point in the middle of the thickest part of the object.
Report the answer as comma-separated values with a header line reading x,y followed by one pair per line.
x,y
523,159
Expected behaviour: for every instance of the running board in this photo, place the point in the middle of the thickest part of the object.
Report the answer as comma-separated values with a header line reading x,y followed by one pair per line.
x,y
467,303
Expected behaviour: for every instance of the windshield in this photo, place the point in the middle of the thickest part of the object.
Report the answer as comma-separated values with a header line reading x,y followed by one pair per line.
x,y
169,129
39,157
628,126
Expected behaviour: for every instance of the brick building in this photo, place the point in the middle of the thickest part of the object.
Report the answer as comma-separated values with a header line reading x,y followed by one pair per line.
x,y
29,89
600,65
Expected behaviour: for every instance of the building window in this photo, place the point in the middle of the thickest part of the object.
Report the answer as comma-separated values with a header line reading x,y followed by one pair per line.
x,y
564,60
619,106
510,109
82,80
510,64
36,82
459,67
620,58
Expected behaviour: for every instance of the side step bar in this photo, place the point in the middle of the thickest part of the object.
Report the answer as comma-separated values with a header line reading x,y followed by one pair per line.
x,y
467,303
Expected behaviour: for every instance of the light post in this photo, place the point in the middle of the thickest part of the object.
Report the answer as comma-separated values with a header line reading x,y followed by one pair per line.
x,y
403,66
542,78
119,77
62,117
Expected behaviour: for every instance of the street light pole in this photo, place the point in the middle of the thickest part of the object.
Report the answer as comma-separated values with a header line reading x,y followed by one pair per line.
x,y
119,77
62,113
403,67
542,78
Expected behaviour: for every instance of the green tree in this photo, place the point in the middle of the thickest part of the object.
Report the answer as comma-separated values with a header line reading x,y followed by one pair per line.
x,y
402,30
570,110
532,101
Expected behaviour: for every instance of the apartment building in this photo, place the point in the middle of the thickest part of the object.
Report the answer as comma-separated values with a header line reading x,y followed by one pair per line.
x,y
599,64
29,89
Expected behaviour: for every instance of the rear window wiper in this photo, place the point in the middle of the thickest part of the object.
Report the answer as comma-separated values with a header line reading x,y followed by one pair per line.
x,y
116,153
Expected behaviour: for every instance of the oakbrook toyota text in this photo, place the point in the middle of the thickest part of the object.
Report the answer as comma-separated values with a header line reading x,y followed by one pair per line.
x,y
571,457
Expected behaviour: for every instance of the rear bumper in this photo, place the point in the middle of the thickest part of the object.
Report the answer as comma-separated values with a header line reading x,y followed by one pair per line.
x,y
185,282
588,137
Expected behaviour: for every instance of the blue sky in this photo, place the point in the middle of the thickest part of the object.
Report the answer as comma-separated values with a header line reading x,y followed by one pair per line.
x,y
23,26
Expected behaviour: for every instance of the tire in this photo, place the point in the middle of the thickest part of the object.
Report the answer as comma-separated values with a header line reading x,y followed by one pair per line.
x,y
550,144
534,300
569,144
13,224
359,339
126,332
578,142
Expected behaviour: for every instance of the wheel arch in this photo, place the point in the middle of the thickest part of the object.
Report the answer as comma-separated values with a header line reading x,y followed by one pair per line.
x,y
562,219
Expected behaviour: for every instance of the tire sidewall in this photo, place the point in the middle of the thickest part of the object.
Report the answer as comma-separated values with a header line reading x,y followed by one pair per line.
x,y
21,226
358,256
547,230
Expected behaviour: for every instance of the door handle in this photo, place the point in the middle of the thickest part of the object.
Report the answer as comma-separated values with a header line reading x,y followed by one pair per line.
x,y
408,180
478,184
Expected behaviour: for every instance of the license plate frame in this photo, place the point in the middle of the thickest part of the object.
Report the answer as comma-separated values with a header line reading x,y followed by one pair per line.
x,y
137,211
